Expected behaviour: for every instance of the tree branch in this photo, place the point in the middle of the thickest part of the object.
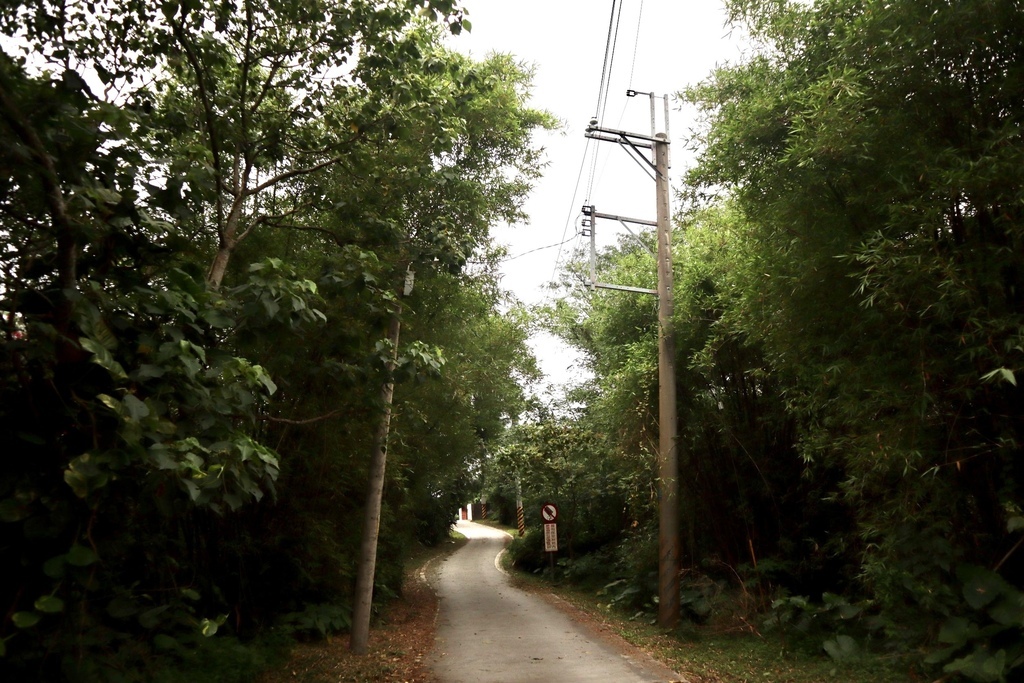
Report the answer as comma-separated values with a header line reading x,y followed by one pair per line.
x,y
67,275
295,173
208,115
284,420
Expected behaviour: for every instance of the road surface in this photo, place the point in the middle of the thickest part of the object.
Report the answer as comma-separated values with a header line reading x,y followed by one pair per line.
x,y
491,632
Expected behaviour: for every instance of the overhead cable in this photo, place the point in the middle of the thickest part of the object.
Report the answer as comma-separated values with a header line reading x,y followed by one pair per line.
x,y
636,41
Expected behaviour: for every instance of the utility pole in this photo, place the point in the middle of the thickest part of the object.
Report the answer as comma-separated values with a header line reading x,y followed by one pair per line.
x,y
668,462
668,457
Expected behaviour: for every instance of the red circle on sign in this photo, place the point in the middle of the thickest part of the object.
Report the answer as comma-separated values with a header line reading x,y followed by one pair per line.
x,y
549,513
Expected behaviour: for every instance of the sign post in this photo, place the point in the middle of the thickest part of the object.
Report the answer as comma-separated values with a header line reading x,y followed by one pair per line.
x,y
549,514
551,538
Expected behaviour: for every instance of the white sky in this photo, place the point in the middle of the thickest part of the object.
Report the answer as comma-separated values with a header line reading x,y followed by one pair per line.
x,y
680,42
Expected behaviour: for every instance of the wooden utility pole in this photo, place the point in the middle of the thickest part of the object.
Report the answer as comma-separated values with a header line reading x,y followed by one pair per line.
x,y
668,462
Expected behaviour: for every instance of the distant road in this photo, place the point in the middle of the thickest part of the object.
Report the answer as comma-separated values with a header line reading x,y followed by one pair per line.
x,y
491,632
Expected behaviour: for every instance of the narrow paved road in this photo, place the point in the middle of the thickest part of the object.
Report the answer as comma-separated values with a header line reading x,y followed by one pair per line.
x,y
491,632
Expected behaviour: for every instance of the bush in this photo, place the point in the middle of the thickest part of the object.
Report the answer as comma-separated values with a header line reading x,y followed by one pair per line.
x,y
527,551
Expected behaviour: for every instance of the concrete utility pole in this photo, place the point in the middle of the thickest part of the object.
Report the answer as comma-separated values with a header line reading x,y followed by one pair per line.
x,y
668,462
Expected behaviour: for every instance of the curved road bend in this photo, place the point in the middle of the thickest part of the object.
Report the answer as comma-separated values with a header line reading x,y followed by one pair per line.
x,y
490,632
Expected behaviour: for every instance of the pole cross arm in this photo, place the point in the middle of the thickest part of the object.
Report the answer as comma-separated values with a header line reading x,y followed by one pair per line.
x,y
625,135
620,141
623,220
624,288
632,143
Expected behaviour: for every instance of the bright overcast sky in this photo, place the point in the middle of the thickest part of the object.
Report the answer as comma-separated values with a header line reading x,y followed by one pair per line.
x,y
678,43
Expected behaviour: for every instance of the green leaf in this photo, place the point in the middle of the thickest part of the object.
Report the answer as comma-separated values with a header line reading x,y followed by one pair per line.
x,y
80,556
208,628
192,366
49,604
54,567
1009,611
122,607
1014,524
103,358
136,409
193,489
13,510
150,371
26,619
980,666
265,380
151,617
842,649
33,439
981,586
271,306
78,482
939,656
163,457
1003,373
162,641
169,10
955,631
112,403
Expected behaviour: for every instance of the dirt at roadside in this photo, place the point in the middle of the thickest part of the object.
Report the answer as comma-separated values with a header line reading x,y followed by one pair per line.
x,y
399,644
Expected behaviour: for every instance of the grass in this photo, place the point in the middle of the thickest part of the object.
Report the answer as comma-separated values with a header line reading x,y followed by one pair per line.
x,y
497,525
419,554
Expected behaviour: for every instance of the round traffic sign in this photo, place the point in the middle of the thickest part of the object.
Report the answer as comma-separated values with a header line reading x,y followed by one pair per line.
x,y
549,513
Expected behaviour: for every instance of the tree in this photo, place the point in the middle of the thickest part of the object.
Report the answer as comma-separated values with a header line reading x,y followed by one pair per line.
x,y
191,213
867,149
848,319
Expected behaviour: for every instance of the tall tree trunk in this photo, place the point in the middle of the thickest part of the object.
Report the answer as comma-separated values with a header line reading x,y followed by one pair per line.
x,y
371,519
218,267
229,239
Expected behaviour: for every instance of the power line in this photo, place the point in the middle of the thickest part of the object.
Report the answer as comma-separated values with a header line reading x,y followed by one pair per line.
x,y
605,66
636,41
550,246
572,204
611,59
611,42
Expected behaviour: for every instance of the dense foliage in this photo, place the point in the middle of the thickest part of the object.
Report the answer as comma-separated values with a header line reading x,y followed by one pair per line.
x,y
210,212
849,321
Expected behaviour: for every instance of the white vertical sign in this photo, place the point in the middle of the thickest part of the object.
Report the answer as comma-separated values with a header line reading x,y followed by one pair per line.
x,y
550,538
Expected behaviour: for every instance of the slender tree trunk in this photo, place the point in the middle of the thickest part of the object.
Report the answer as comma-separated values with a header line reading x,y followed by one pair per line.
x,y
371,520
218,267
229,236
65,228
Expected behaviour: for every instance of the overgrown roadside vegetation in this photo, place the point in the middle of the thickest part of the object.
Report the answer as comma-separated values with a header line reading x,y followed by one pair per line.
x,y
213,215
848,251
716,652
401,637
